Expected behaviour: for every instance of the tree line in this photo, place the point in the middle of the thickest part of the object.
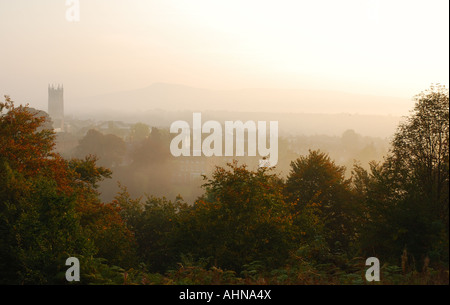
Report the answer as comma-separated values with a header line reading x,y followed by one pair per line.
x,y
317,225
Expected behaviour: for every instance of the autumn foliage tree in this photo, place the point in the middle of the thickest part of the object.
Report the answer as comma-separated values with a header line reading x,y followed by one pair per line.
x,y
27,147
49,207
38,221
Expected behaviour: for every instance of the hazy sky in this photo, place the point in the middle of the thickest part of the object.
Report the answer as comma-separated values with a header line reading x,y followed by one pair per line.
x,y
393,48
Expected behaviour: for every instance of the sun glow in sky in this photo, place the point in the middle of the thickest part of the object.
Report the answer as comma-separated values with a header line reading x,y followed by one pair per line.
x,y
388,48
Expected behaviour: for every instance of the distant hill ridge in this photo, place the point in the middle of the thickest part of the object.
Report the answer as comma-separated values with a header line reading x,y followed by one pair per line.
x,y
298,111
179,97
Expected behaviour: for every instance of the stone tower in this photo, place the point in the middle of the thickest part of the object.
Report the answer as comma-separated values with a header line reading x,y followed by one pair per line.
x,y
56,106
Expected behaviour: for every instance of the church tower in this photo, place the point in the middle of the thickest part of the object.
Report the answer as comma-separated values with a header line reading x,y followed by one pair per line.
x,y
56,106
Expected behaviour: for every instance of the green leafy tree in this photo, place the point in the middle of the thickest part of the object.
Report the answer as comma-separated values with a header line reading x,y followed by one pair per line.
x,y
152,150
156,223
421,150
242,218
151,170
139,132
40,229
407,195
316,181
102,223
109,149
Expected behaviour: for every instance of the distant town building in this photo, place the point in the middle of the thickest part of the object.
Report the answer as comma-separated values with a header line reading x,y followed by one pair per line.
x,y
56,106
191,170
